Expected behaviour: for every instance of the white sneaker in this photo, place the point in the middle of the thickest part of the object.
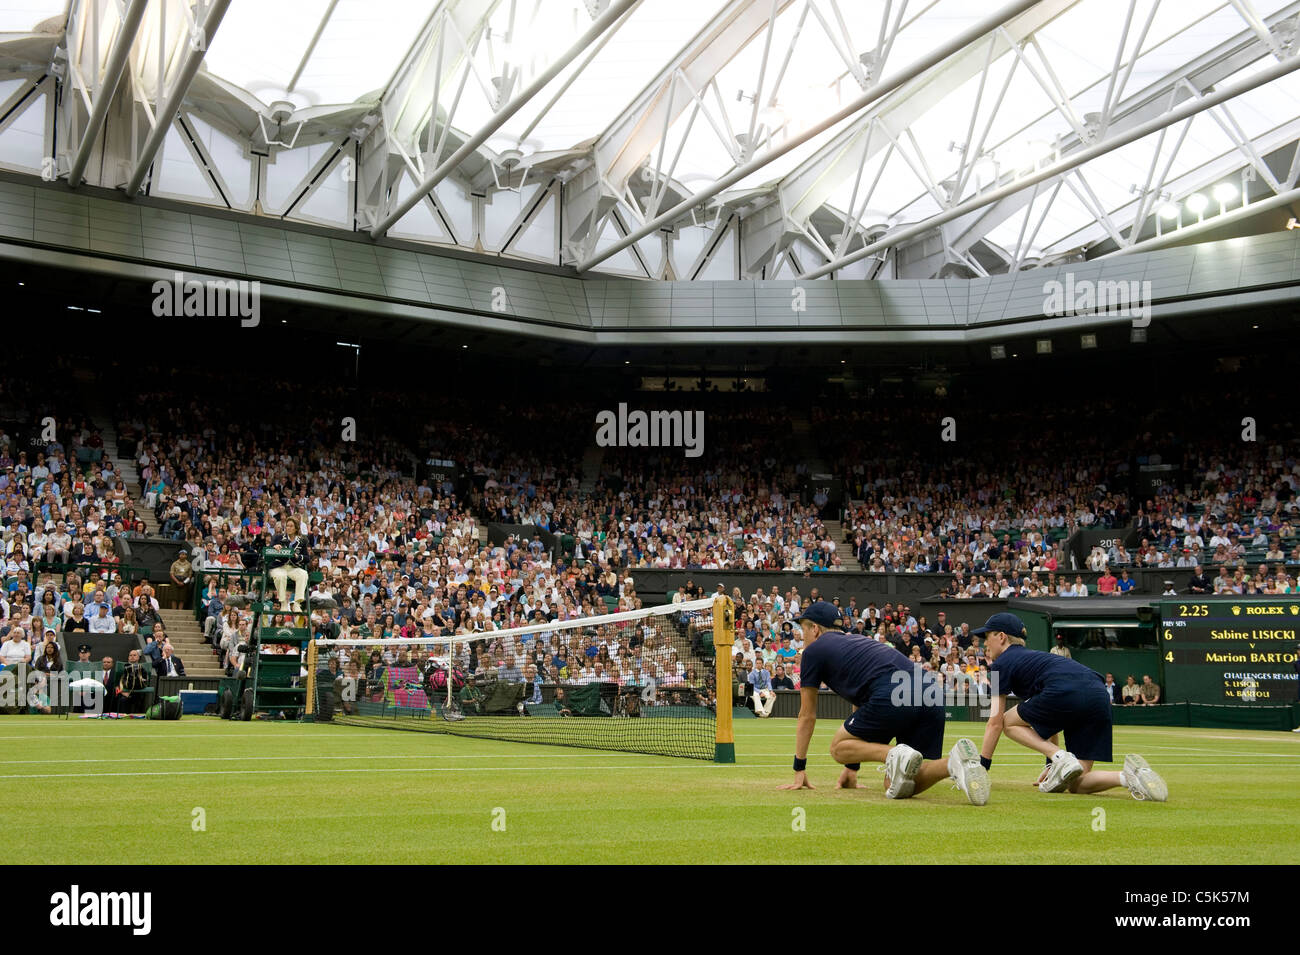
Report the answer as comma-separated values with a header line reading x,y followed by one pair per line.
x,y
902,763
1296,730
1143,781
966,771
1064,770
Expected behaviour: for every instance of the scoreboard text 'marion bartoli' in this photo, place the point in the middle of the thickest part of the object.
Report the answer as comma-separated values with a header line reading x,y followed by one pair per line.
x,y
1221,651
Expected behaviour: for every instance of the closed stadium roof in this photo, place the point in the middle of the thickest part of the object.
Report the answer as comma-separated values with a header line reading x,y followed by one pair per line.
x,y
673,138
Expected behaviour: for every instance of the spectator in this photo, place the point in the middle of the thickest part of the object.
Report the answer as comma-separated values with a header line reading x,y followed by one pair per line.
x,y
1113,689
1131,692
762,696
170,664
1150,693
16,649
103,622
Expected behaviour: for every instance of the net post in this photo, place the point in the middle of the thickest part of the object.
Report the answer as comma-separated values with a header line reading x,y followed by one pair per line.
x,y
310,710
724,625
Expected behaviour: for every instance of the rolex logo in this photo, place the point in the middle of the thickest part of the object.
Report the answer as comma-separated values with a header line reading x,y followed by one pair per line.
x,y
1236,611
1294,609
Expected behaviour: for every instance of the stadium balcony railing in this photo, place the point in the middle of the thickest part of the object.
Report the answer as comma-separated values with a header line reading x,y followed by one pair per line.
x,y
129,573
223,577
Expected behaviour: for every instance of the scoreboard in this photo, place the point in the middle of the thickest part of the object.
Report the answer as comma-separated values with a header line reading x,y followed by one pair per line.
x,y
1220,651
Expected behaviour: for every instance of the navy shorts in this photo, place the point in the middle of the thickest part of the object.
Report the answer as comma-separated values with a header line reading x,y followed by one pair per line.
x,y
919,726
1081,713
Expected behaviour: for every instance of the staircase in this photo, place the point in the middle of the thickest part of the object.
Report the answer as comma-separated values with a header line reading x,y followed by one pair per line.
x,y
835,531
187,640
127,469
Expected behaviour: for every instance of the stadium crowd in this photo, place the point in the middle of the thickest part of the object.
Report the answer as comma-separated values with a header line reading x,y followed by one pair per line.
x,y
401,556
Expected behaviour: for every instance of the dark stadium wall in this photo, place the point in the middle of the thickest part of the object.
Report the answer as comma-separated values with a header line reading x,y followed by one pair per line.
x,y
1123,663
652,585
497,534
1039,627
1082,543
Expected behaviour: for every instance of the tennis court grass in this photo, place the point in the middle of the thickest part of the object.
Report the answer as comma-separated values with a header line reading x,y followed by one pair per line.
x,y
131,791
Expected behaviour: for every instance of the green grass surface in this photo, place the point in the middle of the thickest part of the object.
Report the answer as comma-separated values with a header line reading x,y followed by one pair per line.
x,y
126,791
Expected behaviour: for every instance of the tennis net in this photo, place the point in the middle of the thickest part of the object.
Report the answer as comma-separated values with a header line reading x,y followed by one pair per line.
x,y
640,681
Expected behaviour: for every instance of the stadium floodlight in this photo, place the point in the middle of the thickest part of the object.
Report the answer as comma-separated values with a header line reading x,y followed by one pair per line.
x,y
1224,193
1196,204
1088,340
1169,211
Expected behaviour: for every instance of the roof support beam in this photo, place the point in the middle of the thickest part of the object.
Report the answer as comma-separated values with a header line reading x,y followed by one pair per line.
x,y
612,15
1190,108
883,88
171,106
116,66
1204,72
807,187
624,146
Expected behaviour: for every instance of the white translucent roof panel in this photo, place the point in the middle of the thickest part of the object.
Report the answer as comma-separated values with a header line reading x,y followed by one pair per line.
x,y
633,57
22,16
816,80
259,45
360,48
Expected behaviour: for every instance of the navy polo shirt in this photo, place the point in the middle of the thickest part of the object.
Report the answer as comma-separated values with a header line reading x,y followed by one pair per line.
x,y
1025,673
852,666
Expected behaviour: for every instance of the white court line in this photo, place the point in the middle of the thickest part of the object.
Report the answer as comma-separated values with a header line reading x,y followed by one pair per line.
x,y
1201,749
328,737
307,759
778,758
706,766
